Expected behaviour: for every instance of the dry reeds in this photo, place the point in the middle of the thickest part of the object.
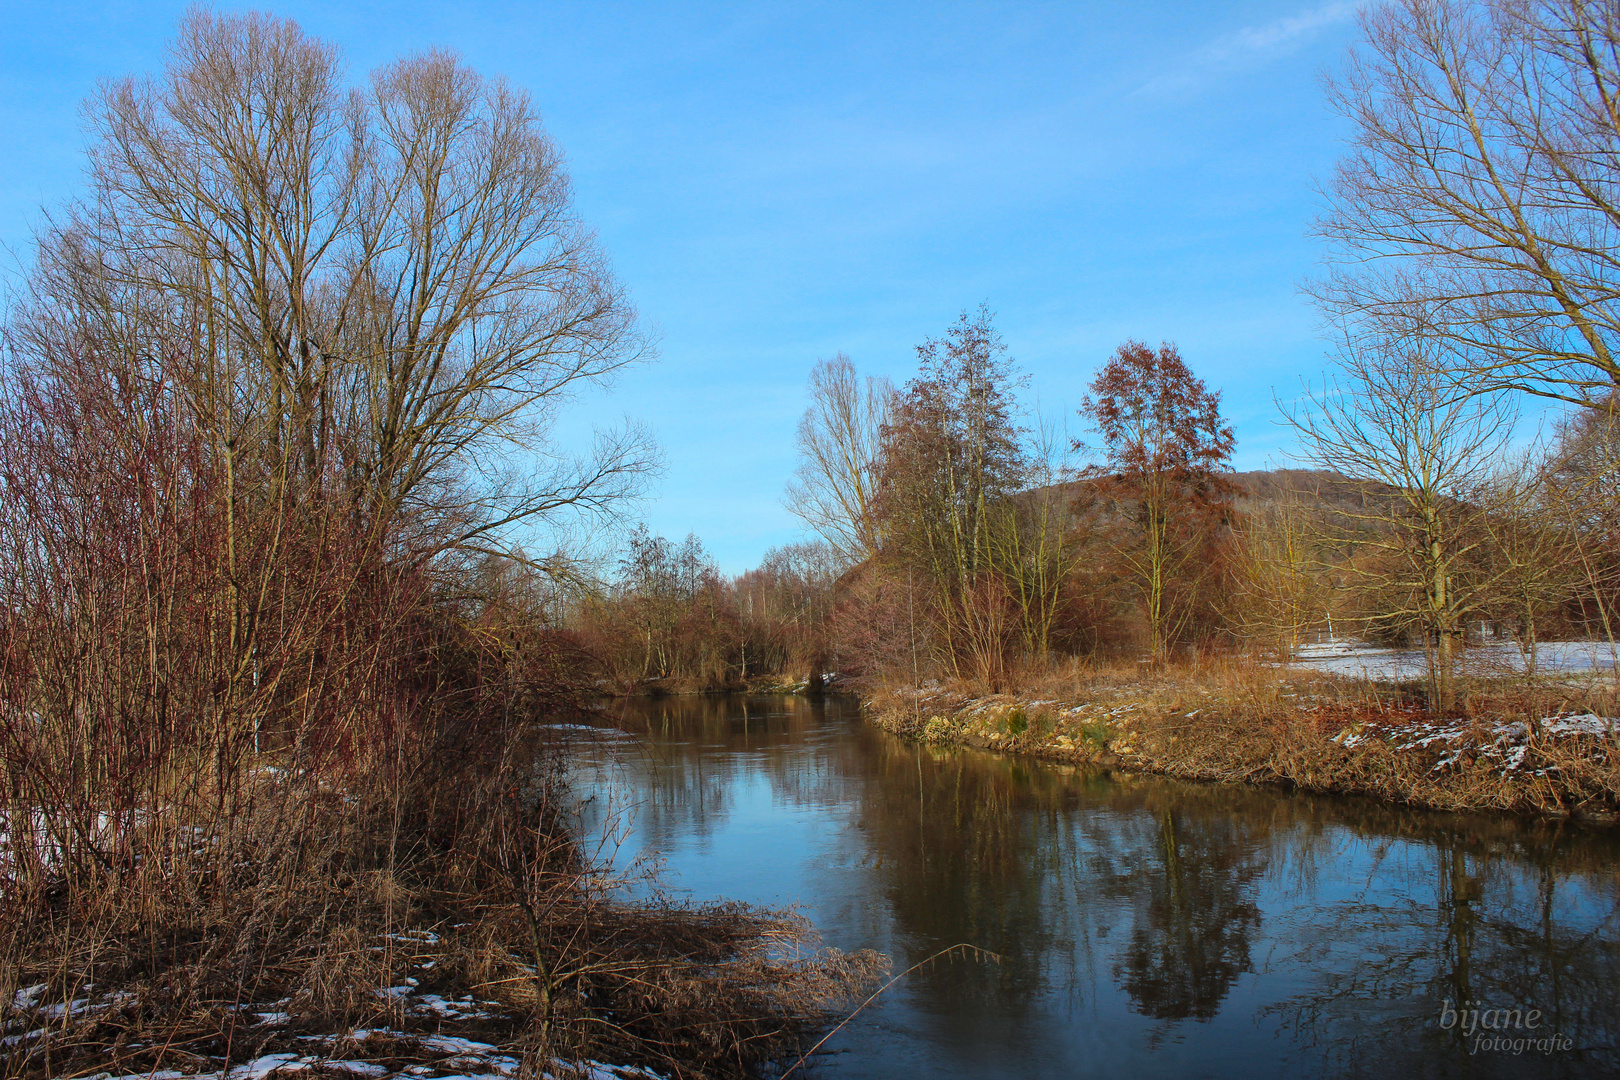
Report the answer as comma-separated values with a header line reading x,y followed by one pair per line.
x,y
375,905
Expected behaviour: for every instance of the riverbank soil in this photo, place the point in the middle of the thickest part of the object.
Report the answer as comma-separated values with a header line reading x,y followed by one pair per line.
x,y
438,919
811,682
1550,749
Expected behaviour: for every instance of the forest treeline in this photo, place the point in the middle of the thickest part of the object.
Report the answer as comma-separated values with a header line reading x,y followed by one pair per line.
x,y
953,544
1470,267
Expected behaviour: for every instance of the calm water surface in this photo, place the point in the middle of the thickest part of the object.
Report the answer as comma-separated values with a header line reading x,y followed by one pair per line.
x,y
1147,927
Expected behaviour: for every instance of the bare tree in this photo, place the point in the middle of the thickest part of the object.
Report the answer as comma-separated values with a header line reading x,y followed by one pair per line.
x,y
1582,491
1033,544
388,280
1398,420
286,369
1283,584
949,456
832,491
1533,555
1481,202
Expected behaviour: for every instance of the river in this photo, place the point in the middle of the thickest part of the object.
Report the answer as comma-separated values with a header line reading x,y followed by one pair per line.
x,y
1145,927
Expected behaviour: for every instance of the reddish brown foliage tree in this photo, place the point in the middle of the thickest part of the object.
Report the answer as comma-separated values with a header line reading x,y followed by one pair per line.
x,y
1165,450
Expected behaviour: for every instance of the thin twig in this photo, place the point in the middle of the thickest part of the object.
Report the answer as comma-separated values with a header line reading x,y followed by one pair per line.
x,y
983,954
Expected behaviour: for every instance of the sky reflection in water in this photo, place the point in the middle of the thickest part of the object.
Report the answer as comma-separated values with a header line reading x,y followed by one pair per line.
x,y
1147,927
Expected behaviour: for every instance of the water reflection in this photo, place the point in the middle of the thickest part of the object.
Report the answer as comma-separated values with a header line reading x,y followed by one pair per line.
x,y
1146,926
1195,912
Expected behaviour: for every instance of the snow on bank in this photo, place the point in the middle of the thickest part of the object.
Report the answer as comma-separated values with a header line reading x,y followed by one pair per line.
x,y
469,1060
1504,744
1129,733
438,1056
1359,660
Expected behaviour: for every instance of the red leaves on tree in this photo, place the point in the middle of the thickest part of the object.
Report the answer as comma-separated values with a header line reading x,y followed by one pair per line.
x,y
1166,448
1160,424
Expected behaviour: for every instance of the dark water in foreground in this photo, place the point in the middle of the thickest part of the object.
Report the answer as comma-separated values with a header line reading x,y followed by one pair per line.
x,y
1148,927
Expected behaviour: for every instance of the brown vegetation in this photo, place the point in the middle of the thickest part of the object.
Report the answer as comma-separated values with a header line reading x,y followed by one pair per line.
x,y
438,866
1229,721
1166,457
672,624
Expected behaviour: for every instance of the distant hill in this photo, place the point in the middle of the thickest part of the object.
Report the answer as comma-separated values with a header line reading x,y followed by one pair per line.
x,y
1330,490
1313,487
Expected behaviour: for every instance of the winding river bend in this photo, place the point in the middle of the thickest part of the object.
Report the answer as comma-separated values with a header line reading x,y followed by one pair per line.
x,y
1146,927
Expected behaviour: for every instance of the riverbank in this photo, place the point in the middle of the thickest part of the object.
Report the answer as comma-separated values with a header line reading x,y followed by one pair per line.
x,y
1309,733
717,990
770,683
449,925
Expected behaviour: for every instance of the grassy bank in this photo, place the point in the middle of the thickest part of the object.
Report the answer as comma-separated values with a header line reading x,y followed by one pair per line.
x,y
1542,749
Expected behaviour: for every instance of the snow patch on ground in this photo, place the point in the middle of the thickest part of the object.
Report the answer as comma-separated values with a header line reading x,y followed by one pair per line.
x,y
469,1060
1503,743
440,1056
1359,660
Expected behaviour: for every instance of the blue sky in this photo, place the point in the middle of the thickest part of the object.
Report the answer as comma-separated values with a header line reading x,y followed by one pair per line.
x,y
778,182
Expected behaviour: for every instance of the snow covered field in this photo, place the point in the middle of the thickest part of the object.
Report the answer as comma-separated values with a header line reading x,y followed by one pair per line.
x,y
1359,660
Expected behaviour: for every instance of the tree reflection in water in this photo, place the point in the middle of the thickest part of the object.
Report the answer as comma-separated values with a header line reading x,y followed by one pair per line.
x,y
1145,923
1194,917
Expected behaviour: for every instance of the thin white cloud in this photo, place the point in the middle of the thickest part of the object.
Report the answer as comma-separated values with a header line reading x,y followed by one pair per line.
x,y
1247,48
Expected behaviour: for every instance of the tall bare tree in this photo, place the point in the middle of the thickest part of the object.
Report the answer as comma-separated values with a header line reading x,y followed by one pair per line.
x,y
1480,204
390,280
1397,419
288,364
833,489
